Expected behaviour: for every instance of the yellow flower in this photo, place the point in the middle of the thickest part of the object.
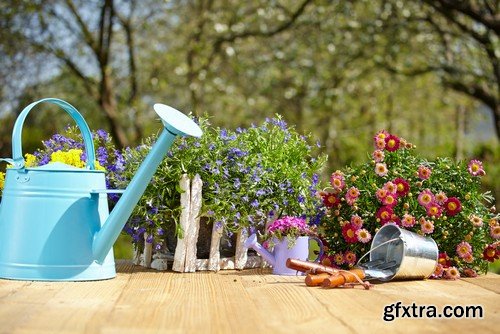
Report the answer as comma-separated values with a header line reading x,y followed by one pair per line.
x,y
30,160
71,157
98,166
2,180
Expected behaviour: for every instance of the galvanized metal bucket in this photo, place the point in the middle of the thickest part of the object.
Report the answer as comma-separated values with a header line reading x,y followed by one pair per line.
x,y
413,256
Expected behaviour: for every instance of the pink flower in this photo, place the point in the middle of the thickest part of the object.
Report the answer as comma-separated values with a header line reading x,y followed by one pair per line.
x,y
381,193
468,258
356,221
378,155
391,187
438,271
352,195
363,235
441,197
425,198
452,273
476,221
495,231
424,172
337,181
475,168
463,249
390,200
381,169
350,258
408,220
452,206
338,258
434,210
391,143
426,226
381,135
380,144
289,225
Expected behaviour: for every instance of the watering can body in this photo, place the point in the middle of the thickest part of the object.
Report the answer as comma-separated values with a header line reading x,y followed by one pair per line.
x,y
48,219
55,220
282,252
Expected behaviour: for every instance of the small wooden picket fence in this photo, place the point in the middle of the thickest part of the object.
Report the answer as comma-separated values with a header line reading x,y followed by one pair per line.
x,y
184,258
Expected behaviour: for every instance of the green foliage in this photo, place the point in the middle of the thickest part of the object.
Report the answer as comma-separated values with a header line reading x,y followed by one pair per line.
x,y
249,176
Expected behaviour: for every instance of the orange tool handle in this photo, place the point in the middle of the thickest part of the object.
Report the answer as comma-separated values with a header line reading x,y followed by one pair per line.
x,y
343,277
316,279
312,267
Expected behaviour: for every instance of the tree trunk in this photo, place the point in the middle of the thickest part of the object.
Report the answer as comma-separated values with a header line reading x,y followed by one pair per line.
x,y
460,132
107,101
496,118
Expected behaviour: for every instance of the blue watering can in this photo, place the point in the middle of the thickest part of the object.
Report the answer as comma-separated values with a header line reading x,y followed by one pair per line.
x,y
55,224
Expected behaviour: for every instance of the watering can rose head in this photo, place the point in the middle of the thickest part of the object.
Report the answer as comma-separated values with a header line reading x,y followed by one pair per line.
x,y
287,227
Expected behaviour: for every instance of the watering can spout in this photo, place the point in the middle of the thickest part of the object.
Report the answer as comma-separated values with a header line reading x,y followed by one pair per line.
x,y
175,123
252,243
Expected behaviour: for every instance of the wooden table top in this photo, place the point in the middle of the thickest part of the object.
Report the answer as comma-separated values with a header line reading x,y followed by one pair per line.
x,y
249,301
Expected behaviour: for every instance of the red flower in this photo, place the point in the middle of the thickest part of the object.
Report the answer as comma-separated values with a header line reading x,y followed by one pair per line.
x,y
384,214
391,143
395,219
349,233
452,206
330,200
444,260
491,253
470,272
402,186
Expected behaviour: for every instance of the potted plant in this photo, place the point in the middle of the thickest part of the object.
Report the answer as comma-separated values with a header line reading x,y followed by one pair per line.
x,y
250,176
287,230
67,147
441,199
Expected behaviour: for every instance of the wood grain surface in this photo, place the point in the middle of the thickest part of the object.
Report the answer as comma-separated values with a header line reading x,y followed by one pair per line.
x,y
249,301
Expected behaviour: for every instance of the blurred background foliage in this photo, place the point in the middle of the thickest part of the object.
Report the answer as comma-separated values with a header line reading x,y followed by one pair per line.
x,y
425,70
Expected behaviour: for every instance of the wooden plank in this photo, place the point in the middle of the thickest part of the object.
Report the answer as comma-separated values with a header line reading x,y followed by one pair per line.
x,y
214,257
194,223
141,300
180,249
148,251
489,282
241,255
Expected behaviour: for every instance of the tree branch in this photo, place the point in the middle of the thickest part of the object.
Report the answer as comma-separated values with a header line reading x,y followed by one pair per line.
x,y
105,31
87,35
255,33
474,91
472,10
129,34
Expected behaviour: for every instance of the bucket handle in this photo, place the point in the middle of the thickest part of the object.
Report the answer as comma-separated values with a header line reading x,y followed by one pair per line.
x,y
381,244
17,153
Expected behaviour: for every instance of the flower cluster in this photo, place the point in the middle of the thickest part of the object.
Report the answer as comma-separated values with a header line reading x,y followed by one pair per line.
x,y
250,176
289,228
440,199
68,148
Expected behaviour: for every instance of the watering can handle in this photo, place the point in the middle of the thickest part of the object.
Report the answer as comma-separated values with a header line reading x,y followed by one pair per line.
x,y
17,152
